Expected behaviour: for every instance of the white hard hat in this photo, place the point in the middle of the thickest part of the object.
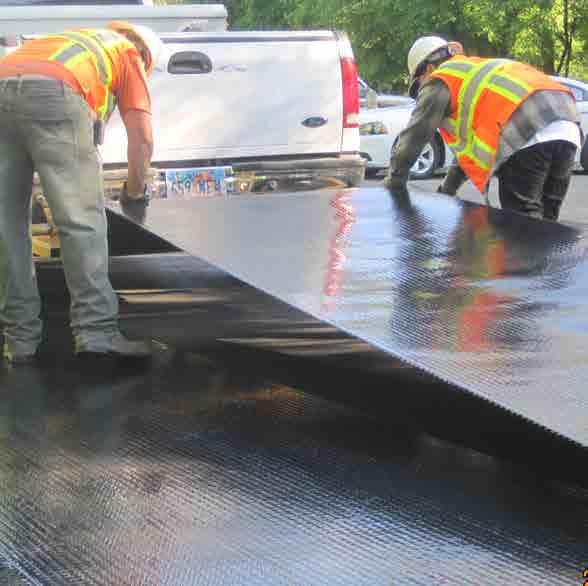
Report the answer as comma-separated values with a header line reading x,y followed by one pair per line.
x,y
420,51
143,35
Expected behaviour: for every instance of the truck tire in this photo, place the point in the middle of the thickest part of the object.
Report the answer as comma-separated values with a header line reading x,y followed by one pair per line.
x,y
584,156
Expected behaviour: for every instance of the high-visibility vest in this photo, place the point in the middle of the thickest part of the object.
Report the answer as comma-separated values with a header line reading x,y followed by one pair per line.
x,y
484,95
87,54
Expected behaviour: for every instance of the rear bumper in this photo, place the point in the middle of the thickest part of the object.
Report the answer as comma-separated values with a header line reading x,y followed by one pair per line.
x,y
347,170
372,163
271,174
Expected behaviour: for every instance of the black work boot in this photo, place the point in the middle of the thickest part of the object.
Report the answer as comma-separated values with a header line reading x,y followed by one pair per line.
x,y
114,344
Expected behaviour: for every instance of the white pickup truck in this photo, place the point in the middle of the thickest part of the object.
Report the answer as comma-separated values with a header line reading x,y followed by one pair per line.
x,y
235,111
18,17
279,108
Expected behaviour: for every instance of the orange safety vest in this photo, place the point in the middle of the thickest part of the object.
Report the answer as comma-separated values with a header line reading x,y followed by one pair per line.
x,y
90,55
484,95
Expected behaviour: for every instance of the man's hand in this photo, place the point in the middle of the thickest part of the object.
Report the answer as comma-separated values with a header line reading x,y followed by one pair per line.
x,y
134,206
399,193
142,196
446,190
454,179
395,185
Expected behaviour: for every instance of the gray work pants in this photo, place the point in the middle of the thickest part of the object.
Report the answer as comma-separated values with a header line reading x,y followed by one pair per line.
x,y
535,180
46,127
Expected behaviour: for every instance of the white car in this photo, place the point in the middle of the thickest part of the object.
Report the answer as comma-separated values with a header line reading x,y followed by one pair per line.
x,y
379,129
382,100
580,90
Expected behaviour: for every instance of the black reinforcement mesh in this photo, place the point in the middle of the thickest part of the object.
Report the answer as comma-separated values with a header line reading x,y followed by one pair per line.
x,y
199,472
492,302
246,468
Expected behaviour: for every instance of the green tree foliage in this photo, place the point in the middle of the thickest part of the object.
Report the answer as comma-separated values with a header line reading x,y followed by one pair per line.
x,y
550,34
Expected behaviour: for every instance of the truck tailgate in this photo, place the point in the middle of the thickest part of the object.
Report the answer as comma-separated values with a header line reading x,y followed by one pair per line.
x,y
243,94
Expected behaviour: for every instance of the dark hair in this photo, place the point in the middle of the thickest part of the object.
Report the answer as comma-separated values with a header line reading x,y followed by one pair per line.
x,y
436,58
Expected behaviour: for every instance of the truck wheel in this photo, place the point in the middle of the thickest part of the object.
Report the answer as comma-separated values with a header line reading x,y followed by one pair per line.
x,y
584,157
428,161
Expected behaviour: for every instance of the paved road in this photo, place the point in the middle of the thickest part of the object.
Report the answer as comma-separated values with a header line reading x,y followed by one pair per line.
x,y
575,207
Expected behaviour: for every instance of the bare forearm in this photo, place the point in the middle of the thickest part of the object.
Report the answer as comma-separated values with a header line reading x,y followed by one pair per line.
x,y
139,151
139,158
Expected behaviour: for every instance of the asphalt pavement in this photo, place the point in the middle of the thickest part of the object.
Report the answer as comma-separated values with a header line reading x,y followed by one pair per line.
x,y
574,210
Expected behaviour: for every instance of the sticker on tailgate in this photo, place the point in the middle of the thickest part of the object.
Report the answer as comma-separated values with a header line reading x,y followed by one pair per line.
x,y
197,182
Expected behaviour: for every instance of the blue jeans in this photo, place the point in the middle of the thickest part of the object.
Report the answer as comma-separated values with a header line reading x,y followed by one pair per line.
x,y
46,127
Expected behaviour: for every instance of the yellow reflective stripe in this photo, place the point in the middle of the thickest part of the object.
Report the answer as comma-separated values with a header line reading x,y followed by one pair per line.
x,y
97,53
453,72
90,43
108,38
482,145
473,155
110,104
77,59
482,153
456,68
513,86
105,38
504,93
450,125
456,65
76,39
469,94
519,82
68,52
93,47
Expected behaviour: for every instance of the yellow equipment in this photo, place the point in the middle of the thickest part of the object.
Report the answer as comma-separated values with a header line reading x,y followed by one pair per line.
x,y
45,235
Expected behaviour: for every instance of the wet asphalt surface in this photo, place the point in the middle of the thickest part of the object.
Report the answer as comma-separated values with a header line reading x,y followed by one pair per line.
x,y
226,465
217,468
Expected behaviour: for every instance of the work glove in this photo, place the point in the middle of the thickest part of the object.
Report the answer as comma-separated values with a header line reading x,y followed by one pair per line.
x,y
446,190
396,185
133,207
398,192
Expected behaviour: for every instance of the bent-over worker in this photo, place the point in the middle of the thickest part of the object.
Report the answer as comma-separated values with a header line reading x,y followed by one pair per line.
x,y
56,94
498,117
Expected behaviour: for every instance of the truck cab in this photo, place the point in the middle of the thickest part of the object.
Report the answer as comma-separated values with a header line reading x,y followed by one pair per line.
x,y
31,17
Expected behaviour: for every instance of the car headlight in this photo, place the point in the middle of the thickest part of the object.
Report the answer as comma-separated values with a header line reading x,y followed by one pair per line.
x,y
373,128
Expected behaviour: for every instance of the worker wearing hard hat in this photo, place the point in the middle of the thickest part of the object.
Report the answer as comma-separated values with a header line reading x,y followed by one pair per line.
x,y
498,117
56,93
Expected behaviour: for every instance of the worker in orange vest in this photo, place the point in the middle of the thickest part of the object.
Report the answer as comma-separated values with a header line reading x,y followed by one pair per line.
x,y
56,94
499,117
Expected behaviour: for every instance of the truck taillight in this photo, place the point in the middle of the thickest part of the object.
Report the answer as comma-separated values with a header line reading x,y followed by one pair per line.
x,y
350,93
